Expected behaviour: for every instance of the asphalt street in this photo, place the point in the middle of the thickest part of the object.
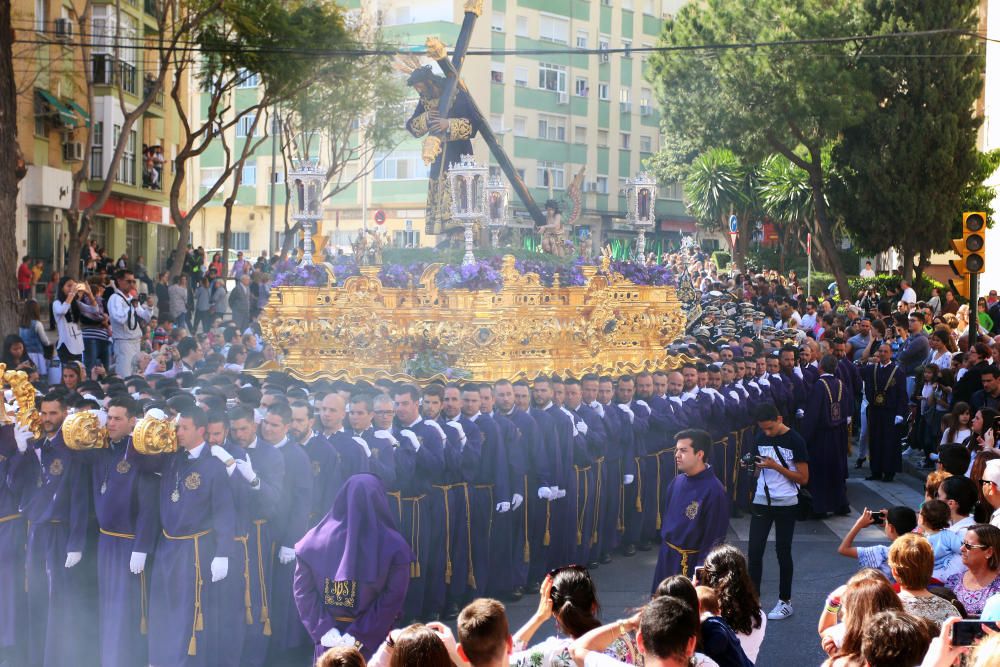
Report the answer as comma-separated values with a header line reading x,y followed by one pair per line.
x,y
624,584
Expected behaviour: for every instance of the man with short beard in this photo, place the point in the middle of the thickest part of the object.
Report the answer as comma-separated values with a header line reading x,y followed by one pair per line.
x,y
635,495
56,504
322,457
379,442
620,467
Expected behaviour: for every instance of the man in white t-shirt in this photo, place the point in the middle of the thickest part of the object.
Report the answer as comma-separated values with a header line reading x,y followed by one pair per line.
x,y
868,271
909,295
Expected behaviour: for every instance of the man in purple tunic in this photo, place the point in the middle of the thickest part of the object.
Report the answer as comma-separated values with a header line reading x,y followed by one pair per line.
x,y
634,504
885,389
380,451
352,570
619,464
261,510
13,535
199,521
824,428
56,503
291,522
695,509
127,508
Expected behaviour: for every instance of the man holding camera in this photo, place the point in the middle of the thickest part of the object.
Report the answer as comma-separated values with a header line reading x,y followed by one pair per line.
x,y
781,461
125,309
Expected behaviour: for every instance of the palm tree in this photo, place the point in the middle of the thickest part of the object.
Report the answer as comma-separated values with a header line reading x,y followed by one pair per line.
x,y
718,185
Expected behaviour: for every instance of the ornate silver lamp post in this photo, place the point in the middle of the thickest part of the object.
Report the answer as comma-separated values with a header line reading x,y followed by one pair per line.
x,y
468,198
497,200
640,202
307,181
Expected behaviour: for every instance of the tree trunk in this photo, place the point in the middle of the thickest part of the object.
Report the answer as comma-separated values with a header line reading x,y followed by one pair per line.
x,y
824,229
183,233
907,264
227,227
286,243
10,174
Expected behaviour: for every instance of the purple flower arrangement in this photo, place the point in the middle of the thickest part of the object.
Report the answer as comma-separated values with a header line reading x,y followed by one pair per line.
x,y
288,273
344,268
570,274
480,275
400,276
644,274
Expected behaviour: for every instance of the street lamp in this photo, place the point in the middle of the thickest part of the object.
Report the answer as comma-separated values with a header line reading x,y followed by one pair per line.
x,y
497,200
468,198
307,181
640,202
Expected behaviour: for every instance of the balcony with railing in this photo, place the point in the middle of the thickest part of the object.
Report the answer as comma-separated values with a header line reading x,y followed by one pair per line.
x,y
107,71
149,87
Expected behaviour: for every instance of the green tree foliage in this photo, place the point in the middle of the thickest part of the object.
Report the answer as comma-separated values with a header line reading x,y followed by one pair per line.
x,y
792,101
906,166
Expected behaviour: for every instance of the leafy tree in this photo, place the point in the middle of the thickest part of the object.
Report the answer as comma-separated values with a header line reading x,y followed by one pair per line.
x,y
244,38
11,173
718,185
789,100
906,165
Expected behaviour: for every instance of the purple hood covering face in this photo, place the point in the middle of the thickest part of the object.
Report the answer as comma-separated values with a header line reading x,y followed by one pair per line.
x,y
358,534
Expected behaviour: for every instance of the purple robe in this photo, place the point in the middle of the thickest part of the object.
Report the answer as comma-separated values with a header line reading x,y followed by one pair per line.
x,y
56,503
695,519
196,499
520,437
824,428
13,538
127,507
261,508
353,568
635,493
290,523
884,386
325,477
589,459
548,470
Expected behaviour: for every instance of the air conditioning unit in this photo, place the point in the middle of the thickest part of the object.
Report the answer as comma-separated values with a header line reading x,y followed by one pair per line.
x,y
563,98
72,151
64,29
645,110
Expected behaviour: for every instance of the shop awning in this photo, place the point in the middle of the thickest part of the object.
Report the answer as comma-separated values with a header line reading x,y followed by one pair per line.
x,y
62,112
80,112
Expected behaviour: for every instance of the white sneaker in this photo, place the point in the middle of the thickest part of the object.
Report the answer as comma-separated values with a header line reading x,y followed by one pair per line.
x,y
781,611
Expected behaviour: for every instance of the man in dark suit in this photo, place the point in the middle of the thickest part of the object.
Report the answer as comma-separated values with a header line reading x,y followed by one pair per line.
x,y
239,303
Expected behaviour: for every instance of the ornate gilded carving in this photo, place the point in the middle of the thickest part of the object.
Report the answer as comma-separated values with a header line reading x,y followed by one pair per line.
x,y
474,7
431,149
436,49
363,330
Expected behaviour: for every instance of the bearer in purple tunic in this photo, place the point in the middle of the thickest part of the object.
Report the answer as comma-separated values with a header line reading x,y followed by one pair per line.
x,y
547,467
634,505
13,536
381,461
588,456
504,553
56,504
695,510
261,509
619,464
291,522
199,521
127,507
885,389
824,428
352,570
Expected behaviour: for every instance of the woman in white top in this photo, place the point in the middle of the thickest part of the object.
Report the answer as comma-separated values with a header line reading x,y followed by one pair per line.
x,y
958,425
70,344
940,355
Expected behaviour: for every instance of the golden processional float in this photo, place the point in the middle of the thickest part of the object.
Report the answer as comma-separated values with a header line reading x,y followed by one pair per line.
x,y
358,329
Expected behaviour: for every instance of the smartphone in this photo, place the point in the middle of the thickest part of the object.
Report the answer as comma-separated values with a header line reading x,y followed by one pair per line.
x,y
967,633
878,518
697,574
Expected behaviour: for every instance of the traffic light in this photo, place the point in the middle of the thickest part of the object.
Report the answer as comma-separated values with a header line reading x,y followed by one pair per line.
x,y
971,249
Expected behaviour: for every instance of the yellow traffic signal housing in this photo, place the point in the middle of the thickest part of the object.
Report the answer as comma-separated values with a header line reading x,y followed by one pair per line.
x,y
972,247
960,286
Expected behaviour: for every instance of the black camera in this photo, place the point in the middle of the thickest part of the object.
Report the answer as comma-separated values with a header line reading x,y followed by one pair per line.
x,y
749,462
878,518
142,298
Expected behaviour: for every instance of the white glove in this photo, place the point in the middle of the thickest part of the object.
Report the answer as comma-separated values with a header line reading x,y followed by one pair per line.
x,y
137,562
286,555
598,408
461,431
627,410
73,557
764,382
562,493
555,492
800,413
643,404
576,431
387,435
364,445
629,479
798,371
754,385
582,427
21,436
898,420
245,469
412,437
503,507
224,456
676,400
733,395
544,493
849,421
331,638
220,568
516,501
